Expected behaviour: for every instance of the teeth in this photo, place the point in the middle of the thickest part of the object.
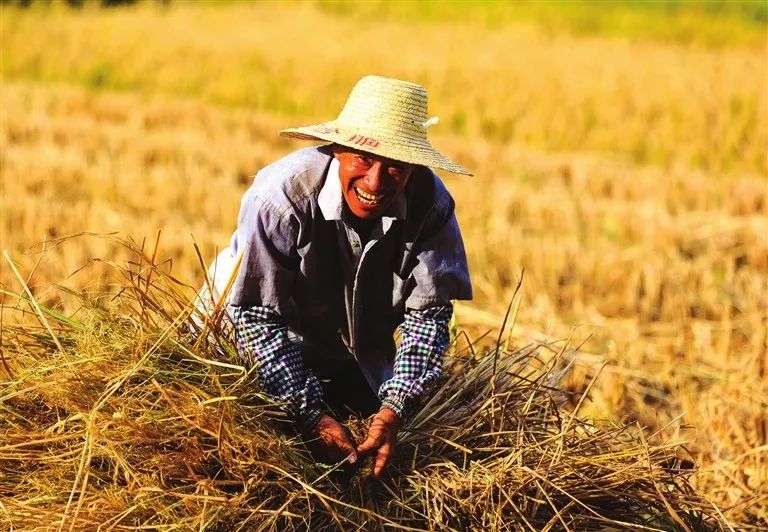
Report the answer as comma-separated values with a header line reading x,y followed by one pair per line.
x,y
368,198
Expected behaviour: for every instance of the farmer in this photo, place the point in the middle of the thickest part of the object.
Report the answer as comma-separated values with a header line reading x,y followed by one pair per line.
x,y
337,246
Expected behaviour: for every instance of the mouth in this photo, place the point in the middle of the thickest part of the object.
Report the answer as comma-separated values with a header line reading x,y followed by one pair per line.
x,y
371,200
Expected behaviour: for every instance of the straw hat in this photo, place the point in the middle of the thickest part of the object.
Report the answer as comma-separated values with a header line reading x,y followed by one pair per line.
x,y
386,117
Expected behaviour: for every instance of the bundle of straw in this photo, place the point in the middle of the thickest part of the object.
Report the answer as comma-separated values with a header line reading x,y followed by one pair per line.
x,y
121,416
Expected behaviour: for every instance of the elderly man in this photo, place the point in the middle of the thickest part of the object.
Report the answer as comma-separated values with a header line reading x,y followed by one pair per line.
x,y
338,246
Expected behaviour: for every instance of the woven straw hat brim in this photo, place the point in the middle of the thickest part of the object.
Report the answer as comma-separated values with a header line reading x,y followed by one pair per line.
x,y
405,148
386,117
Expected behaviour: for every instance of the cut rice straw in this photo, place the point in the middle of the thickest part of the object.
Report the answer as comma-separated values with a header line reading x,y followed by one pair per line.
x,y
157,429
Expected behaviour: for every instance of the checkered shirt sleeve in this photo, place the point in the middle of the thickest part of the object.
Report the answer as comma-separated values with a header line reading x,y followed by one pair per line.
x,y
263,341
419,357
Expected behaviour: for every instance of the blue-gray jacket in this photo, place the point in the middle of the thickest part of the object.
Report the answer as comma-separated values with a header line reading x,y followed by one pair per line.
x,y
299,258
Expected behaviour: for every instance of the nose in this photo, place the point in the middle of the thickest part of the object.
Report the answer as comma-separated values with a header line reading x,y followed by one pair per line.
x,y
374,178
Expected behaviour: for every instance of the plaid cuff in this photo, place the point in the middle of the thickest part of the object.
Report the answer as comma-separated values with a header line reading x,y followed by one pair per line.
x,y
263,341
419,357
395,405
307,421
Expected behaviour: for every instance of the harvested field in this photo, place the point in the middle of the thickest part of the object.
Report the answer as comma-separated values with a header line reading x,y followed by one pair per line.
x,y
120,417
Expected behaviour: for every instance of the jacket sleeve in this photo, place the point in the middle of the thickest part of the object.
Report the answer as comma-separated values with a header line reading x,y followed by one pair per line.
x,y
419,357
267,236
263,341
262,298
441,273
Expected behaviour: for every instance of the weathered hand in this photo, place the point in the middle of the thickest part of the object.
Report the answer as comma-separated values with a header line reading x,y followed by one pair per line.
x,y
382,436
334,440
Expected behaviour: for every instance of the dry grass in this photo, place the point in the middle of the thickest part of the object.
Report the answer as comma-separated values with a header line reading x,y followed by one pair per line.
x,y
118,417
644,222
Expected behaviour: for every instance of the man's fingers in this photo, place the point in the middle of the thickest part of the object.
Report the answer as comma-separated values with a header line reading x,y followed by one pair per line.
x,y
349,451
370,444
343,443
336,440
382,458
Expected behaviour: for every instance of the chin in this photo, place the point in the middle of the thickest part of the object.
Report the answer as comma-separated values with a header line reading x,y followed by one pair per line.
x,y
368,215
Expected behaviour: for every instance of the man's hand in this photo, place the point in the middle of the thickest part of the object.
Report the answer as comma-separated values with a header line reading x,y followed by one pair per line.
x,y
334,441
382,436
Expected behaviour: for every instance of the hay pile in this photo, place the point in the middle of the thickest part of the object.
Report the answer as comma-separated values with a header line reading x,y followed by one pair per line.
x,y
119,417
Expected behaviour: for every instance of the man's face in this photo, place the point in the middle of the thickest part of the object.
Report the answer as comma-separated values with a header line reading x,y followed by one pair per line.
x,y
370,183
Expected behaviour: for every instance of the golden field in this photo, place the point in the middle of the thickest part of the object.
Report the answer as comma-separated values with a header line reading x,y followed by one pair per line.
x,y
626,177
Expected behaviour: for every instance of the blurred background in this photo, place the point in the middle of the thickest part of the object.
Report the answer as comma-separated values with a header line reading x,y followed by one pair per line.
x,y
619,150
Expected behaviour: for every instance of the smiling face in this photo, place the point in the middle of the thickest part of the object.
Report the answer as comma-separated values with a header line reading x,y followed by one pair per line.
x,y
370,183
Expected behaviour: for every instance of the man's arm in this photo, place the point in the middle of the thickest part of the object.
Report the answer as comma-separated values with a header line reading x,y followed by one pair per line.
x,y
267,235
418,362
419,357
263,340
